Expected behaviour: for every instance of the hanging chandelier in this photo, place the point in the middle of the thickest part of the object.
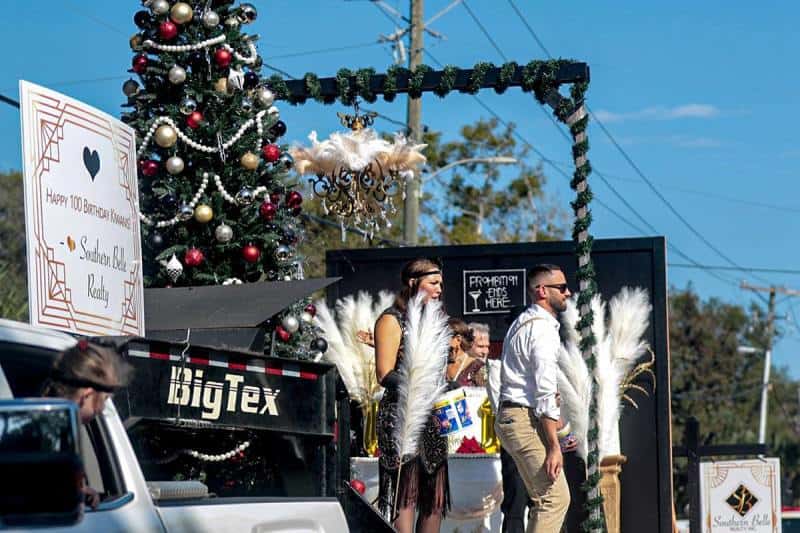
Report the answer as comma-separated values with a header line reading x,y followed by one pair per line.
x,y
356,173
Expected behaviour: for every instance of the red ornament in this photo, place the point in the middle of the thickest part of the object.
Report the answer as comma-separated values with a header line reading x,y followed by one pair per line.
x,y
294,199
311,309
139,63
194,119
167,30
358,485
222,57
251,253
268,210
193,257
271,152
275,197
282,334
149,167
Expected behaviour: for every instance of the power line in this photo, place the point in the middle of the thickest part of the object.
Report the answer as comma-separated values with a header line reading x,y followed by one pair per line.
x,y
483,30
530,30
738,269
325,50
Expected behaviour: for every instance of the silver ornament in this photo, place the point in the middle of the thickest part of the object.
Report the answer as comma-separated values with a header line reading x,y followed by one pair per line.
x,y
286,160
247,13
223,233
232,22
188,106
244,196
177,75
287,278
273,112
265,96
185,212
130,87
232,281
306,317
159,7
290,324
247,104
174,268
175,165
210,19
283,253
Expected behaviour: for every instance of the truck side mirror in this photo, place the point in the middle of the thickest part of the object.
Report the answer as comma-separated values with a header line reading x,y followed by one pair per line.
x,y
40,463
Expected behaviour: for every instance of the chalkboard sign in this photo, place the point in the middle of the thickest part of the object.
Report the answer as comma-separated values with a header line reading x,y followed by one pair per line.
x,y
489,292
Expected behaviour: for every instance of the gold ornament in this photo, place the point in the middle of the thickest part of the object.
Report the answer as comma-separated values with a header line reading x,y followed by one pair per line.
x,y
489,440
249,161
370,419
203,213
181,13
136,42
166,136
221,86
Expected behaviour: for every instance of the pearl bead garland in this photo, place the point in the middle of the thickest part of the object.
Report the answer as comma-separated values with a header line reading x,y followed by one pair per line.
x,y
227,196
247,60
149,43
257,120
174,220
218,458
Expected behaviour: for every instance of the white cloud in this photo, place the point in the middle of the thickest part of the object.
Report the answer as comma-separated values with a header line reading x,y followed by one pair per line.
x,y
661,113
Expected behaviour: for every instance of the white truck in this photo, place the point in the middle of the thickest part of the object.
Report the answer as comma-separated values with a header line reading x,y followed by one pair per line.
x,y
129,501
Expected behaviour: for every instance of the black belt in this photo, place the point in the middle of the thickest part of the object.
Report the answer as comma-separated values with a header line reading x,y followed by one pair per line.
x,y
507,403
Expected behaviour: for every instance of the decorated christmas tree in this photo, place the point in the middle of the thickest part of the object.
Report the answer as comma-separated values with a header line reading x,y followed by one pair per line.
x,y
217,204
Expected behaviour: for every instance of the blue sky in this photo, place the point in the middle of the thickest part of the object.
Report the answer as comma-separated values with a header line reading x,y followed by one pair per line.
x,y
703,97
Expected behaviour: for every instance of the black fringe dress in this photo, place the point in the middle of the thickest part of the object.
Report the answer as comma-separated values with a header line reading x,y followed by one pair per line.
x,y
424,478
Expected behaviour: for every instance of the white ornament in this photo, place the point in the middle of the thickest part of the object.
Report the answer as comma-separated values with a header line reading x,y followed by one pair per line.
x,y
306,317
174,268
265,96
273,112
210,19
232,281
175,165
177,75
290,323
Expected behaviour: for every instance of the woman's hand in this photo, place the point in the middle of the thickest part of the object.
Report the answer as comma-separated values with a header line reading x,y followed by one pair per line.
x,y
366,337
90,497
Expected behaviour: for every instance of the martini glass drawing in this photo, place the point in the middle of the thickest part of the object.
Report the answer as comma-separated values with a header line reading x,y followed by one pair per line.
x,y
475,295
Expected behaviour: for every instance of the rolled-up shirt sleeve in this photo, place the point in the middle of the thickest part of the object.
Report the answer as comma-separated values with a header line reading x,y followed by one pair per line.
x,y
545,375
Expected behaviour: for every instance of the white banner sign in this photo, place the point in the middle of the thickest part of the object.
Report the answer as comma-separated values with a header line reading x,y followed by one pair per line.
x,y
81,216
741,496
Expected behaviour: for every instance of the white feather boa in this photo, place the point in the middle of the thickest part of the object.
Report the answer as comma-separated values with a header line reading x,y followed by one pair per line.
x,y
618,348
354,359
422,370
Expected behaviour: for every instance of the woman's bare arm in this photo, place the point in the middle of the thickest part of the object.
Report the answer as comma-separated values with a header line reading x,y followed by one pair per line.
x,y
387,342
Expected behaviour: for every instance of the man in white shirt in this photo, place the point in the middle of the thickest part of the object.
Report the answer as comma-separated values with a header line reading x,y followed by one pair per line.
x,y
529,411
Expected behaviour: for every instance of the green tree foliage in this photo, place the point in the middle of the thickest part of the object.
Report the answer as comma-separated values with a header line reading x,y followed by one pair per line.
x,y
721,387
486,202
13,273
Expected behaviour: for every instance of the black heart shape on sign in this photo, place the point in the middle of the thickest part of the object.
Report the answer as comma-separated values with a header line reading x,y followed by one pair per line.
x,y
91,160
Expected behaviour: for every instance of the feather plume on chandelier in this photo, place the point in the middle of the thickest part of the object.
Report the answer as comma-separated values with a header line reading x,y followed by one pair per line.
x,y
357,173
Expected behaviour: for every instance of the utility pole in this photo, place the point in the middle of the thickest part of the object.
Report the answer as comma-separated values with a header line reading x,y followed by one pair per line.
x,y
414,123
772,290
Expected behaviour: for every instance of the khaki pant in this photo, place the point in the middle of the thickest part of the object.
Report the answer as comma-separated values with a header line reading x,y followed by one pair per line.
x,y
522,437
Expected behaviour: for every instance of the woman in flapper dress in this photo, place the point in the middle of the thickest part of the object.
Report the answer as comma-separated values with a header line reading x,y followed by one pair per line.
x,y
423,481
463,369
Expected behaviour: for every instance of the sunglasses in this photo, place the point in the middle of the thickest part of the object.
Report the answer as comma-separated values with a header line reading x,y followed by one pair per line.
x,y
562,287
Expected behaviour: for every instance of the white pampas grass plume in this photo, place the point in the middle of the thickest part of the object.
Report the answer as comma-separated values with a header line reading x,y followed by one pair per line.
x,y
574,383
426,343
630,316
340,354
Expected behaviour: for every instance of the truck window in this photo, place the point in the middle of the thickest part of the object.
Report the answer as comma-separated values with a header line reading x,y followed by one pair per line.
x,y
102,468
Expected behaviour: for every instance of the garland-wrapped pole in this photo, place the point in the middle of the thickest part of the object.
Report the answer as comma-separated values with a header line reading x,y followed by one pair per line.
x,y
577,121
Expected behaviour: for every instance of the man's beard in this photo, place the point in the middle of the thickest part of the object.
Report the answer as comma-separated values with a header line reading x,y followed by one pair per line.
x,y
558,305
